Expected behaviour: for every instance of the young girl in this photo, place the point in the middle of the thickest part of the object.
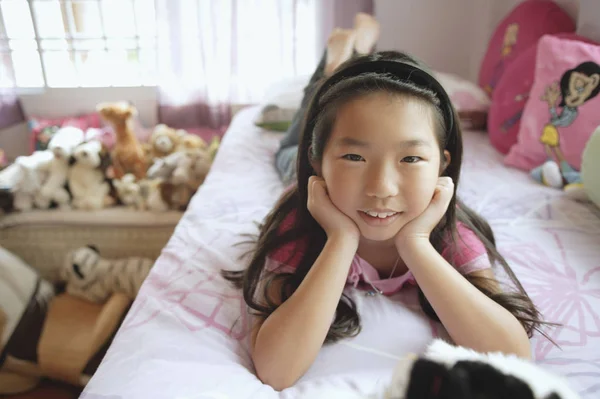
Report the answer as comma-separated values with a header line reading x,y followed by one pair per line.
x,y
375,206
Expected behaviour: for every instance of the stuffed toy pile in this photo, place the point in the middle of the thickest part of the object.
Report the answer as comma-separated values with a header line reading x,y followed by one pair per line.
x,y
79,172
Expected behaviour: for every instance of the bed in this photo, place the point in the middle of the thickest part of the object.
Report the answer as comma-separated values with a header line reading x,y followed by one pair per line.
x,y
186,334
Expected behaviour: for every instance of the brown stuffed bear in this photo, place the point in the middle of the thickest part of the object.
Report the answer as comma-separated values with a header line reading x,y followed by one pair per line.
x,y
164,141
190,141
127,154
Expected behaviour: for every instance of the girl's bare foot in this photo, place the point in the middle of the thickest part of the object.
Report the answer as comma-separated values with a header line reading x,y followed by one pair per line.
x,y
339,48
367,33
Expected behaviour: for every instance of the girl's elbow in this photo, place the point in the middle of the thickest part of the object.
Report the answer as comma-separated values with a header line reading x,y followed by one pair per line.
x,y
276,380
277,376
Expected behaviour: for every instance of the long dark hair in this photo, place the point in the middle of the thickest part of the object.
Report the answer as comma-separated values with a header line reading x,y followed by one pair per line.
x,y
398,74
588,68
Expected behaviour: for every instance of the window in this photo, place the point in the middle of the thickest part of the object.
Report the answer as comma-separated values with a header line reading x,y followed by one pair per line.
x,y
77,43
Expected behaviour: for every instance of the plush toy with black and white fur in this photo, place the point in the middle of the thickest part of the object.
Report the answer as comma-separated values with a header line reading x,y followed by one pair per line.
x,y
447,371
94,278
87,179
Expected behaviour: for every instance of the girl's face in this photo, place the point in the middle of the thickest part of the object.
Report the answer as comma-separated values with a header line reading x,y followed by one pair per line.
x,y
382,162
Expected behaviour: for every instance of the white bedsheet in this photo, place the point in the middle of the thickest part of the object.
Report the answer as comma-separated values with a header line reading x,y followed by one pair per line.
x,y
186,334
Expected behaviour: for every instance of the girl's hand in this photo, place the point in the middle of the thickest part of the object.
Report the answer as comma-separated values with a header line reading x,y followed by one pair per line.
x,y
331,219
551,94
420,228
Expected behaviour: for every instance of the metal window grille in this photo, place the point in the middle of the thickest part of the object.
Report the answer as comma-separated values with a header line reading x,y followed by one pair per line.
x,y
77,43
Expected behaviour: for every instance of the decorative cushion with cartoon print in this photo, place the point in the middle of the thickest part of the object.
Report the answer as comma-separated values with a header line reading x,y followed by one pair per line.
x,y
42,129
521,29
562,111
511,95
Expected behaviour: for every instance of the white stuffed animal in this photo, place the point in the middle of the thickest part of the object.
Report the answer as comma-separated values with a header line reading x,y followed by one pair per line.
x,y
145,194
86,178
91,277
129,191
25,177
62,145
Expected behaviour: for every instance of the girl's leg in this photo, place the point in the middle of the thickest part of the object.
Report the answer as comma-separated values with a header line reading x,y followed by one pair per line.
x,y
339,49
341,46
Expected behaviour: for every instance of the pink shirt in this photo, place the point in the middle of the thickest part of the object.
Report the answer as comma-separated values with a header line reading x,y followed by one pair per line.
x,y
468,256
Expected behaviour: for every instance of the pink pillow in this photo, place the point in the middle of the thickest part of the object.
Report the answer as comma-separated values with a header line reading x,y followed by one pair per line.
x,y
42,129
511,95
521,29
567,75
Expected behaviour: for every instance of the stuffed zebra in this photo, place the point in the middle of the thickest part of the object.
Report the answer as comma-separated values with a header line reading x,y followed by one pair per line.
x,y
91,277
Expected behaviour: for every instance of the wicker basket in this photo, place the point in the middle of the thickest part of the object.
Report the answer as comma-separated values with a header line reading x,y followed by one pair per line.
x,y
43,237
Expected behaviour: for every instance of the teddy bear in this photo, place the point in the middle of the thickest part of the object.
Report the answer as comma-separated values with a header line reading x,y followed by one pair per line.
x,y
86,177
91,277
163,141
61,146
189,141
127,154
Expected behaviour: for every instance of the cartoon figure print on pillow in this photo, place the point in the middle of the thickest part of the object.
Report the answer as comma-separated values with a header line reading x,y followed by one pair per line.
x,y
510,39
576,87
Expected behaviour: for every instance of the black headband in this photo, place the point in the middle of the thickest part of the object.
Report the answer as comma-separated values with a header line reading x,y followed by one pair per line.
x,y
398,69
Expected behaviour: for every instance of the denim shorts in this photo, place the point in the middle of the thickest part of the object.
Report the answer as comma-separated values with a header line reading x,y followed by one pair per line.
x,y
285,162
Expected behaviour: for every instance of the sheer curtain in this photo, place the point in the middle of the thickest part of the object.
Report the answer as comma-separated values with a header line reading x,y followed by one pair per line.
x,y
214,53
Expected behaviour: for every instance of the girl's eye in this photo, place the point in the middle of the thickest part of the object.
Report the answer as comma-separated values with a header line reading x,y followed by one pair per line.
x,y
353,157
412,159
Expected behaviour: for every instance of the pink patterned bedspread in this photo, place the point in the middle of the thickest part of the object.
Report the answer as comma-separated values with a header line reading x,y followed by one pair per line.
x,y
186,335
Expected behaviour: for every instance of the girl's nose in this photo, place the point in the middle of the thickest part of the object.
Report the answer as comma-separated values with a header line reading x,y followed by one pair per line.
x,y
383,181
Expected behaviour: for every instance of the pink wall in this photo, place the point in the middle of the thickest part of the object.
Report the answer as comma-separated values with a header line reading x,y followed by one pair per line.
x,y
452,35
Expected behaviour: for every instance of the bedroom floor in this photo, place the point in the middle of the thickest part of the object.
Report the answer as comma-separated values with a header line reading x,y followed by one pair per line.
x,y
48,390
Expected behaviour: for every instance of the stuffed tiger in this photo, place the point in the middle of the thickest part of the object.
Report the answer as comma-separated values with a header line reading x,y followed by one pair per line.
x,y
91,277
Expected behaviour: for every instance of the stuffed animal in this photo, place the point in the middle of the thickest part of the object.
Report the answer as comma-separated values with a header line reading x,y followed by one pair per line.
x,y
47,335
589,187
164,141
189,141
25,177
61,145
129,192
156,194
192,168
93,278
183,172
213,147
447,371
145,194
24,299
86,177
127,154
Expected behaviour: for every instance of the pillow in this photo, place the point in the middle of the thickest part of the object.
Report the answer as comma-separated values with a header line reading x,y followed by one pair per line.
x,y
469,100
465,95
511,95
562,111
280,103
42,129
521,29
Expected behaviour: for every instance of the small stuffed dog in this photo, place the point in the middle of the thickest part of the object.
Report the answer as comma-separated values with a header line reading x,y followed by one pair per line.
x,y
86,177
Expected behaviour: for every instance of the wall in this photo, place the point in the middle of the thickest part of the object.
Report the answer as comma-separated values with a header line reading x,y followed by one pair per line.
x,y
589,19
451,35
